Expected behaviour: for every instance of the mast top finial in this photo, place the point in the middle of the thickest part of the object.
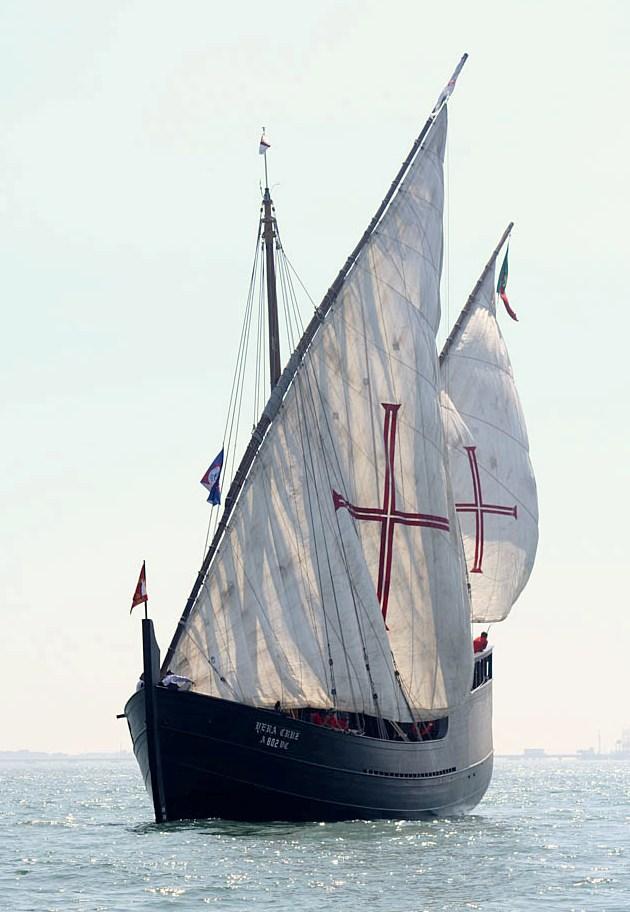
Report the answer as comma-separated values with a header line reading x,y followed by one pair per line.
x,y
447,91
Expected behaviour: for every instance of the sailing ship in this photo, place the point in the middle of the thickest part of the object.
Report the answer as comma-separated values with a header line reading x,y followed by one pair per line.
x,y
384,503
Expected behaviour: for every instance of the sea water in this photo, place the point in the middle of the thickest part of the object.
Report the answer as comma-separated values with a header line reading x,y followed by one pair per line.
x,y
550,835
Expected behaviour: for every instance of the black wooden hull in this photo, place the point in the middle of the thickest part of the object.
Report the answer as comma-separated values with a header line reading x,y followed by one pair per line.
x,y
216,758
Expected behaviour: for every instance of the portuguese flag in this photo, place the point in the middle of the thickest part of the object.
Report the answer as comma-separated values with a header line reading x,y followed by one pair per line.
x,y
501,285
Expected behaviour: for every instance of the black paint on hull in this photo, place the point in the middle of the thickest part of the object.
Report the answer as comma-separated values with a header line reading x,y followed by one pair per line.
x,y
223,759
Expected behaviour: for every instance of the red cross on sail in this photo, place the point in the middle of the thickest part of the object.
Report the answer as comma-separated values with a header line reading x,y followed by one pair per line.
x,y
389,515
478,507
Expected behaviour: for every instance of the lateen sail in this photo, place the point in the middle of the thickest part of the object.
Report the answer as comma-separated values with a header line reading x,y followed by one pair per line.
x,y
347,516
493,481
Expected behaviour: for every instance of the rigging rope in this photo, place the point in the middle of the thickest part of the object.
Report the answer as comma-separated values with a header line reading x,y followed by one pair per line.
x,y
326,448
237,380
318,452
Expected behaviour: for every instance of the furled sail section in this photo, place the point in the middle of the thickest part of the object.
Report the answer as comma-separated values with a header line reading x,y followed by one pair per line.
x,y
340,578
492,477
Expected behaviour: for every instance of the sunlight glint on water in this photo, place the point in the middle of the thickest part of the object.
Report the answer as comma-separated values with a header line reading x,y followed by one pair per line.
x,y
549,836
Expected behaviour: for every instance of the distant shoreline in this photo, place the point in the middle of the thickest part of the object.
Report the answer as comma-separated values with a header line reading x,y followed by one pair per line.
x,y
7,756
58,755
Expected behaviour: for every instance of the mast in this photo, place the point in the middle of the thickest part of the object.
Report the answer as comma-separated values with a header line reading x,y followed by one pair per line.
x,y
472,296
269,234
285,378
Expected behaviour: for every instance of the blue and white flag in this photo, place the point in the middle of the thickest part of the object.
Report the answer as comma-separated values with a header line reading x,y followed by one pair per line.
x,y
211,480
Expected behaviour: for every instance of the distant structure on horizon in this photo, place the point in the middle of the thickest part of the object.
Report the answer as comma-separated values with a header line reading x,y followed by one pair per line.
x,y
621,751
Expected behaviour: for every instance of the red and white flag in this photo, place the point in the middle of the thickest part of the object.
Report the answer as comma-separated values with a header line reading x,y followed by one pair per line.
x,y
264,145
140,595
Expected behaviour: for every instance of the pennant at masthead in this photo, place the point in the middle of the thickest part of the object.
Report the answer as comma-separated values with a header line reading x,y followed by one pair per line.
x,y
264,145
502,283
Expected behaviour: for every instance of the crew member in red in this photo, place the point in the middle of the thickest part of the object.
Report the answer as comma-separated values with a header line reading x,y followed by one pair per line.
x,y
480,642
332,720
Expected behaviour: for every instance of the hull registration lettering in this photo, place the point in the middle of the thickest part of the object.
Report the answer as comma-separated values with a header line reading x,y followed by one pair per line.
x,y
275,736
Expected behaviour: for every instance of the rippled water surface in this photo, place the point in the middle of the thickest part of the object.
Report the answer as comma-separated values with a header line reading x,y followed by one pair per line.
x,y
550,835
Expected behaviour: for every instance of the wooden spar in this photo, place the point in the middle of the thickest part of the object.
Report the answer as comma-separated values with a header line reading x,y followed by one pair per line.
x,y
278,391
471,298
272,298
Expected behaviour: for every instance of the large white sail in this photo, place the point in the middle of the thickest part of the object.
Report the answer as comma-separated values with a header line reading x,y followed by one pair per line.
x,y
340,579
493,481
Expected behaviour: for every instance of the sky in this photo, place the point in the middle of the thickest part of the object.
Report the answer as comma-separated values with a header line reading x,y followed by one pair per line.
x,y
129,197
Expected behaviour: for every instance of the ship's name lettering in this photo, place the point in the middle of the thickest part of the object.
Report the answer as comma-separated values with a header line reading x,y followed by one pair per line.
x,y
269,733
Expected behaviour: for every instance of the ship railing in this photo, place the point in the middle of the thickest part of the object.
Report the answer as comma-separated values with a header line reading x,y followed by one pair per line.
x,y
482,672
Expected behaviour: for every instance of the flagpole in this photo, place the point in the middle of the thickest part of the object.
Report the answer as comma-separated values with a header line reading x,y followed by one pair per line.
x,y
146,599
265,157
